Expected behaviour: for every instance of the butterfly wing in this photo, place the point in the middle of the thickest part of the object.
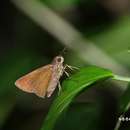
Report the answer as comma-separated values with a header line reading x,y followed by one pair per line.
x,y
37,81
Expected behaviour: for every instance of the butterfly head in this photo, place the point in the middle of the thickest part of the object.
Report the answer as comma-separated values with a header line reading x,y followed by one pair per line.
x,y
58,60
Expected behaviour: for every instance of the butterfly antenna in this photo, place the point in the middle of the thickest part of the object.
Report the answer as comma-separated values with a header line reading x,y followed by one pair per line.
x,y
63,51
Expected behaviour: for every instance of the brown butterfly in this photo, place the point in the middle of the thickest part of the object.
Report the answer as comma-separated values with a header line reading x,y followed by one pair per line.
x,y
44,80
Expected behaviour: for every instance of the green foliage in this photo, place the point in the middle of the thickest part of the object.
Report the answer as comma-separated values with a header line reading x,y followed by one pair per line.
x,y
71,87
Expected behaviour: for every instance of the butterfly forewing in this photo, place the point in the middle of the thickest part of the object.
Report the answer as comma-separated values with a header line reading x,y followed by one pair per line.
x,y
37,81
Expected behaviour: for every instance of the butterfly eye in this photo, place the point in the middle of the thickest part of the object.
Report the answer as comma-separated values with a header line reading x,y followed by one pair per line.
x,y
59,59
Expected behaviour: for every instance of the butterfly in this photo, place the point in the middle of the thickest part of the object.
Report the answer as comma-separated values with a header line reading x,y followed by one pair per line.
x,y
43,81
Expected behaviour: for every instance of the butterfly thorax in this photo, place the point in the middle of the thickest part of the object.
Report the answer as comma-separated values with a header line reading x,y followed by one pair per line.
x,y
57,72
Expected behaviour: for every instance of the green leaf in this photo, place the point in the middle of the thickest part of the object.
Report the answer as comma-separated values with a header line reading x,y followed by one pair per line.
x,y
72,87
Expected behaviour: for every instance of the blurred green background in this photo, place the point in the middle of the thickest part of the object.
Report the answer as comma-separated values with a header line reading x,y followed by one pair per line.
x,y
26,45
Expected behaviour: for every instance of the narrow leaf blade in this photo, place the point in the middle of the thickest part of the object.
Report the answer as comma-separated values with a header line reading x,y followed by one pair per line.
x,y
72,87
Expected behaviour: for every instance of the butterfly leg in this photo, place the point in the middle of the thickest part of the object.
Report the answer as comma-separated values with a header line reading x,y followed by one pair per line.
x,y
59,87
67,74
70,67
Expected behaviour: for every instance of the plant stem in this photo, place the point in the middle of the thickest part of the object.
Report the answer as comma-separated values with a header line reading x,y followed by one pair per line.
x,y
121,78
118,124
